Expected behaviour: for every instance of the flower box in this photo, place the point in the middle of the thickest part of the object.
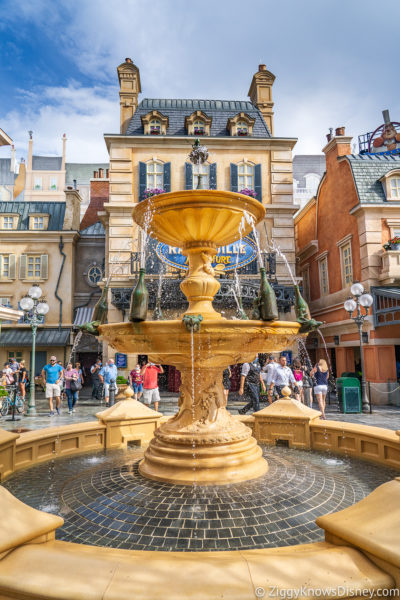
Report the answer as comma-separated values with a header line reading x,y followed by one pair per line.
x,y
393,244
199,132
154,132
248,192
152,192
242,132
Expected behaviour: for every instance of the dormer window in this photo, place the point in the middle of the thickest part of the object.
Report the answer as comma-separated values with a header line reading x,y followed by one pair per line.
x,y
155,123
198,123
8,222
155,127
241,125
199,128
38,222
242,128
395,187
391,184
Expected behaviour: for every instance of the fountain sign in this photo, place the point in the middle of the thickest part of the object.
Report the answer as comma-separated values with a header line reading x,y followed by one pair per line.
x,y
238,254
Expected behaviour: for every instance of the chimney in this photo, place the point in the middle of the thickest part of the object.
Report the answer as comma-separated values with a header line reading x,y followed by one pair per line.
x,y
95,174
12,164
64,140
260,94
107,173
101,173
30,151
338,145
74,183
129,90
20,181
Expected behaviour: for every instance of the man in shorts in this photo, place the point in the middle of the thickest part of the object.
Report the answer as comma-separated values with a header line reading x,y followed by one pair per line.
x,y
107,374
151,392
52,374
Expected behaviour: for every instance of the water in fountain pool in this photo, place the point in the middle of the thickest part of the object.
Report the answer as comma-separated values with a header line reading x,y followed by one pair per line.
x,y
110,504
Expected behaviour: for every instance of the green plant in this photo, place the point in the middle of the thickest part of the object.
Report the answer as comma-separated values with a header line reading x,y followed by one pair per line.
x,y
392,242
121,380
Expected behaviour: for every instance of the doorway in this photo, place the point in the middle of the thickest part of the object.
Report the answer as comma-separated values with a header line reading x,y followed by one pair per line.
x,y
40,361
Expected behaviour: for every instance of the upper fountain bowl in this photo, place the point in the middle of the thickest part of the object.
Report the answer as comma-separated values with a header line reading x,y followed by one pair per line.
x,y
189,217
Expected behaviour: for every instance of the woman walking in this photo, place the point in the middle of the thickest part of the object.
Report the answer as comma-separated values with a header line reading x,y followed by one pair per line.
x,y
321,373
71,377
226,377
22,379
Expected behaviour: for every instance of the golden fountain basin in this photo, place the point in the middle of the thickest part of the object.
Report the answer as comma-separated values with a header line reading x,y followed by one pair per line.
x,y
181,218
219,343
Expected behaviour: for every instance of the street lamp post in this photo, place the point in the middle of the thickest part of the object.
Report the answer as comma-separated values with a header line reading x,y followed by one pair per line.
x,y
34,309
354,304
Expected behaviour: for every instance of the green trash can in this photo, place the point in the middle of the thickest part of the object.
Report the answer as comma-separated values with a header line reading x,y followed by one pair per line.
x,y
349,394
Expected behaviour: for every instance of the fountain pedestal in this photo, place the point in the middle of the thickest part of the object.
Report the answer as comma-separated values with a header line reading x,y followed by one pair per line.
x,y
202,443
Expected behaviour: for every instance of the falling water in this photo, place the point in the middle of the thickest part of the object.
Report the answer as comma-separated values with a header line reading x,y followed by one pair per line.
x,y
74,347
275,248
144,233
326,351
236,298
249,219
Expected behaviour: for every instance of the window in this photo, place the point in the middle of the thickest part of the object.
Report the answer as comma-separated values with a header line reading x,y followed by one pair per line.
x,y
38,183
323,276
5,301
37,222
242,128
198,127
245,176
204,171
306,283
154,175
33,264
395,187
94,275
5,266
8,222
347,268
155,127
53,183
15,354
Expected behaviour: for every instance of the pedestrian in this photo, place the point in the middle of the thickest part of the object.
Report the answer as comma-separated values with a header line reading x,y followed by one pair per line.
x,y
250,382
282,377
8,374
307,386
52,373
22,379
151,393
71,376
321,374
94,371
298,377
266,376
14,365
226,382
135,380
106,374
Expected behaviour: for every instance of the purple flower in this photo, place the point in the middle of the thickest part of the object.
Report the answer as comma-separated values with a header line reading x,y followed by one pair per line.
x,y
152,192
249,192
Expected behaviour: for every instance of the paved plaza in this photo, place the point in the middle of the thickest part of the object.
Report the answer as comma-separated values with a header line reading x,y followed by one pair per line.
x,y
387,416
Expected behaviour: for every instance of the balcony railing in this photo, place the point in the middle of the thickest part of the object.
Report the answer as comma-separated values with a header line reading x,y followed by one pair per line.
x,y
390,267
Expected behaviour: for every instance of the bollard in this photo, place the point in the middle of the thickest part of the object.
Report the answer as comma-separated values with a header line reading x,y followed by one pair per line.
x,y
112,392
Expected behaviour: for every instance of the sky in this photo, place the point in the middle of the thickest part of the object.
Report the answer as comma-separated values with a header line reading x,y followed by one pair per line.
x,y
336,64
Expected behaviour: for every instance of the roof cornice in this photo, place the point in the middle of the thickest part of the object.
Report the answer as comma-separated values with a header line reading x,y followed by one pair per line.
x,y
185,141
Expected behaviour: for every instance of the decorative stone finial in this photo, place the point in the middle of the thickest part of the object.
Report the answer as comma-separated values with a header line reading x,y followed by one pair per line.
x,y
128,393
286,392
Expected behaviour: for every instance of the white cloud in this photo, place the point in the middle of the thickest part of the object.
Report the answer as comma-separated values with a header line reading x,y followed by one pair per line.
x,y
83,113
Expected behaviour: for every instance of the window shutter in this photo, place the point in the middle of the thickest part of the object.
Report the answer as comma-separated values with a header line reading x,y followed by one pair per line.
x,y
234,178
257,182
22,266
44,266
188,176
213,176
167,177
1,266
11,268
142,180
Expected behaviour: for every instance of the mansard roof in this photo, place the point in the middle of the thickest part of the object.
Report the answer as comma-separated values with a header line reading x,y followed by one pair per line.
x,y
367,170
55,210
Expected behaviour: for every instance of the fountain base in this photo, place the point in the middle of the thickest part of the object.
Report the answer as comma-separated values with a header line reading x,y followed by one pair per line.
x,y
216,462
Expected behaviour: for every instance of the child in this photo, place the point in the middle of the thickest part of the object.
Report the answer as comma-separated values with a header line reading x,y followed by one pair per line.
x,y
136,382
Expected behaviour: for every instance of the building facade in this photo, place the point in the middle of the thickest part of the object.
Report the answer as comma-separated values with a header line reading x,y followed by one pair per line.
x,y
308,170
340,239
151,151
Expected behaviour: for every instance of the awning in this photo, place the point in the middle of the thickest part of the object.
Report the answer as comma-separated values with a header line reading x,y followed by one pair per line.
x,y
83,315
386,306
16,338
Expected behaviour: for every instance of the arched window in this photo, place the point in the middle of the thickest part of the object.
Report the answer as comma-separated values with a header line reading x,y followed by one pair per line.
x,y
245,176
154,175
204,171
198,127
242,128
312,181
155,127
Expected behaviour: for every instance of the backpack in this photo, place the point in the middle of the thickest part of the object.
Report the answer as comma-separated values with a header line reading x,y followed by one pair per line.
x,y
75,385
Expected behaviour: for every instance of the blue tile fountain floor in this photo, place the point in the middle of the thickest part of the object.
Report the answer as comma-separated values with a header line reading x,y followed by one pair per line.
x,y
105,501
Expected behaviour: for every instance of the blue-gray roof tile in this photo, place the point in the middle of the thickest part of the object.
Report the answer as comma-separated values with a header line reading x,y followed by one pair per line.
x,y
46,163
55,210
367,171
7,176
95,229
178,109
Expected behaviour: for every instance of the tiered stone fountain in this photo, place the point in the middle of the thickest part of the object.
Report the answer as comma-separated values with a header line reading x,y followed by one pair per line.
x,y
202,443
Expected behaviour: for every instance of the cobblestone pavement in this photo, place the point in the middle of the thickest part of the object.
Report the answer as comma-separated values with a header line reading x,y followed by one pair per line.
x,y
104,501
387,416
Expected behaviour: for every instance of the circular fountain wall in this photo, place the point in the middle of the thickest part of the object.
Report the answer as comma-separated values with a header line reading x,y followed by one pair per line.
x,y
106,502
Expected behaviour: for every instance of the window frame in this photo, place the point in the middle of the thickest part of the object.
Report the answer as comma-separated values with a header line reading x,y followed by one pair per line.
x,y
53,187
394,178
34,257
14,221
195,175
37,186
245,164
305,274
34,216
323,273
154,174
